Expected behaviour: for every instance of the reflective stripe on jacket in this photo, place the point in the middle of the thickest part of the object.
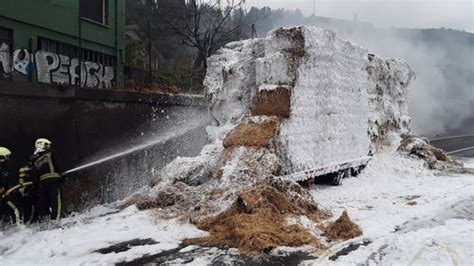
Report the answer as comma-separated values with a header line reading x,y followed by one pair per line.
x,y
45,166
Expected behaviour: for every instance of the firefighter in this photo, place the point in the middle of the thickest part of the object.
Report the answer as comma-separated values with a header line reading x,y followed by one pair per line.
x,y
49,192
29,194
9,211
23,195
4,160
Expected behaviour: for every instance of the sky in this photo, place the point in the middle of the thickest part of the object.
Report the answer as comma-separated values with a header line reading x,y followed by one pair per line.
x,y
455,14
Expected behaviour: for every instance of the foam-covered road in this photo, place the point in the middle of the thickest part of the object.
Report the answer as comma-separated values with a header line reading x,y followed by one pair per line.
x,y
409,215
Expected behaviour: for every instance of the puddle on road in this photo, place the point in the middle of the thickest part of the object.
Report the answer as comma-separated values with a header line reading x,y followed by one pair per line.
x,y
293,258
124,246
217,256
352,247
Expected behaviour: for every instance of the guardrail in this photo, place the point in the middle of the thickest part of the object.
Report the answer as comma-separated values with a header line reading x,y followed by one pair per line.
x,y
454,144
460,150
452,137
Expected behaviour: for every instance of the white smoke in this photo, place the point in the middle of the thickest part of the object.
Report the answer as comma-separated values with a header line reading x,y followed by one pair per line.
x,y
442,96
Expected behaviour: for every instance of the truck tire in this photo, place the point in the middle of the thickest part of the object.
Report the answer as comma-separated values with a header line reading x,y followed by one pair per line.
x,y
337,179
355,171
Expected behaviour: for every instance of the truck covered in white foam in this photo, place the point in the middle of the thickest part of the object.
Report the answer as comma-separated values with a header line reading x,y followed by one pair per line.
x,y
335,102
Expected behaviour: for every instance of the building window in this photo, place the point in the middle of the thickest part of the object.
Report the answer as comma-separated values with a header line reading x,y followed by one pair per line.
x,y
6,37
72,51
94,10
57,47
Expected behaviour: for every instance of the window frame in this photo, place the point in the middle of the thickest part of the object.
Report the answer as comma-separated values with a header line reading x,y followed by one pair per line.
x,y
10,37
55,46
105,15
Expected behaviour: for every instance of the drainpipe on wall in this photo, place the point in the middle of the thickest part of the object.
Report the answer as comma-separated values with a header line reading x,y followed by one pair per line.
x,y
117,50
30,48
149,51
78,84
79,50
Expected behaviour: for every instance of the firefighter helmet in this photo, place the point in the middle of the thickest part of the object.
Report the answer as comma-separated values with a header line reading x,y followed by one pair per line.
x,y
42,144
4,154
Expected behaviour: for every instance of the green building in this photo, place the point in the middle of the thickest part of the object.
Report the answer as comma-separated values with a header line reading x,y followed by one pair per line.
x,y
65,42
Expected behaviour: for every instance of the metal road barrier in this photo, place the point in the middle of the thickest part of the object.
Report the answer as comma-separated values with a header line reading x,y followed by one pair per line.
x,y
458,145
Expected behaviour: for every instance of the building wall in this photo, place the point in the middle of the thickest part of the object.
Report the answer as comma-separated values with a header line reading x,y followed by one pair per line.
x,y
59,20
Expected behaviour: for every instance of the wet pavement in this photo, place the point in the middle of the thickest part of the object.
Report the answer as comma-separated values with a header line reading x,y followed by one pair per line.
x,y
352,247
211,256
124,246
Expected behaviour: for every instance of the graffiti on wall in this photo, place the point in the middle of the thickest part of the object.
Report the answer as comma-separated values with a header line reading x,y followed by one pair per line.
x,y
53,68
5,60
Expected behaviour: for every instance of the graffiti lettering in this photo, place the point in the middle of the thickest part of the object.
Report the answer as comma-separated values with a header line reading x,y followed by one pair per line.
x,y
55,68
5,59
46,62
74,72
106,76
61,75
22,61
92,70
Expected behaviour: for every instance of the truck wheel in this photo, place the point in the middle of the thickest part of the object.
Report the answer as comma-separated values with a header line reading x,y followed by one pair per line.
x,y
355,171
337,179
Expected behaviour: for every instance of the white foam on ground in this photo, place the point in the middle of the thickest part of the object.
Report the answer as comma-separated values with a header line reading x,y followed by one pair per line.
x,y
428,232
82,235
469,163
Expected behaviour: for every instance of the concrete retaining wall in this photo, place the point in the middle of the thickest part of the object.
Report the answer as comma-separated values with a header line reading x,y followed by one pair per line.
x,y
87,124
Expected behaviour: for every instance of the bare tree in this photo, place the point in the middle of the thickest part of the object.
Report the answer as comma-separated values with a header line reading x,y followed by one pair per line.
x,y
204,25
179,35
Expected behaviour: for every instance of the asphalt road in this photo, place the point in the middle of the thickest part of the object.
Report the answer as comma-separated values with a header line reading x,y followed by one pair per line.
x,y
462,146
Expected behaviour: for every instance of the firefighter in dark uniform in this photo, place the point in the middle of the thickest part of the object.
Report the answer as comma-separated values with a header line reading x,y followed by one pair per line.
x,y
9,211
23,197
49,180
28,188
